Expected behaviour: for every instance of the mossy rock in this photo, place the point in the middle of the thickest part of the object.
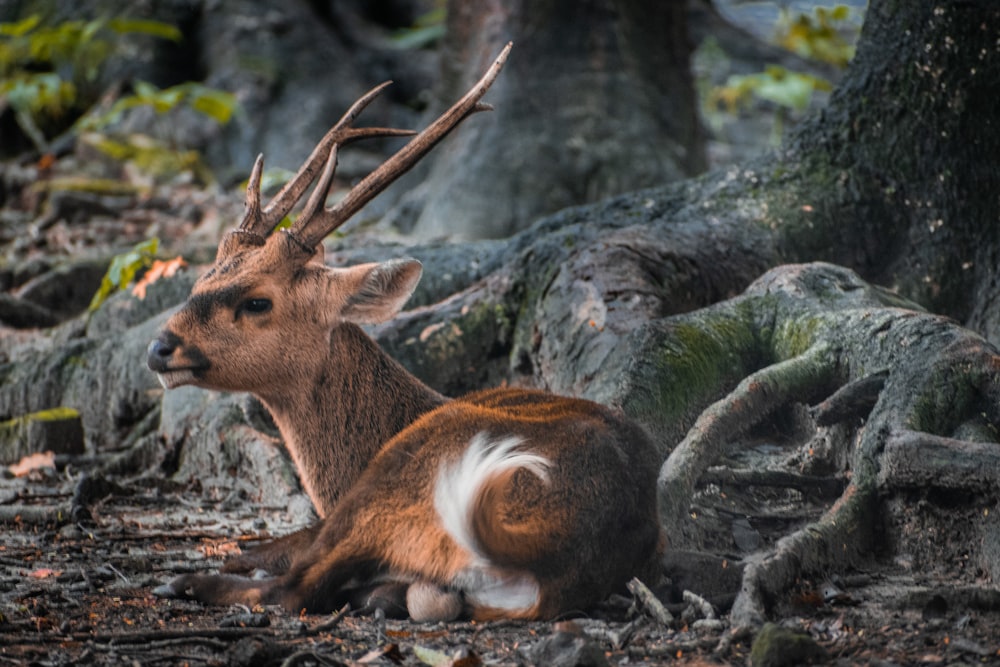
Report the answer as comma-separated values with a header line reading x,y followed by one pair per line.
x,y
59,430
776,646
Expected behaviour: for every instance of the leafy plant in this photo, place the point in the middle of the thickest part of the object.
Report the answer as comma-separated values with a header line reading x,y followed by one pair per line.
x,y
219,105
123,269
50,78
823,37
428,29
50,73
783,87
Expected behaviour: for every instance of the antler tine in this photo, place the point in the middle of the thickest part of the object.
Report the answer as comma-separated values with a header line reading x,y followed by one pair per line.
x,y
311,228
261,221
252,212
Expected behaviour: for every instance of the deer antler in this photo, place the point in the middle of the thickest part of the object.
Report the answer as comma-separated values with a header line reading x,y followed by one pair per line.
x,y
316,221
261,221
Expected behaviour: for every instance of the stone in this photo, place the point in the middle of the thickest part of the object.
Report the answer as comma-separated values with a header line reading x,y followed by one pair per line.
x,y
58,430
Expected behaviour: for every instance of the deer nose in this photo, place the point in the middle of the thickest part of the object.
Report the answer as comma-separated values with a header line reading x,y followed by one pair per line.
x,y
160,350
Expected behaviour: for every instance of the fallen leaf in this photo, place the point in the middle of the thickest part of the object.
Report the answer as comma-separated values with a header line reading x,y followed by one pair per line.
x,y
44,573
389,652
159,269
33,462
46,162
430,331
215,550
430,656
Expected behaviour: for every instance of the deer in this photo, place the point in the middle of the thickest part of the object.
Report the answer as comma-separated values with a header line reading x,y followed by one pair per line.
x,y
508,502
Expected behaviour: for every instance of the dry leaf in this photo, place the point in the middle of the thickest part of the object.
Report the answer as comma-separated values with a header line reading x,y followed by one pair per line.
x,y
44,573
33,462
159,269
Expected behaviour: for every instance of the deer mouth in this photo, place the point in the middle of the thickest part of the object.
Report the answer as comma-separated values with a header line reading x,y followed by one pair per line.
x,y
176,377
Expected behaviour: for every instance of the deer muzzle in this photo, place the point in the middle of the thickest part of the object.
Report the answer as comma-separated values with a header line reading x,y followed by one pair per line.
x,y
173,368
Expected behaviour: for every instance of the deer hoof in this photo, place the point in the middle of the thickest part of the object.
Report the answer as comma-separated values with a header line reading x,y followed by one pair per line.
x,y
429,602
171,590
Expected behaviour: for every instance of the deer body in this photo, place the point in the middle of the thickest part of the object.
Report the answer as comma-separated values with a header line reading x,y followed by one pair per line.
x,y
504,503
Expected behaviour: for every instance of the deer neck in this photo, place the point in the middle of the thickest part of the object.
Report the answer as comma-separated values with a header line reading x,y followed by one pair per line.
x,y
334,422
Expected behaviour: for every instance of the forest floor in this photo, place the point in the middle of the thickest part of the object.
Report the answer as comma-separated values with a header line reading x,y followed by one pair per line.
x,y
79,556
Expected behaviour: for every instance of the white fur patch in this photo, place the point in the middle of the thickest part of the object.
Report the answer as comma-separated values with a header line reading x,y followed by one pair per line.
x,y
498,590
455,493
458,484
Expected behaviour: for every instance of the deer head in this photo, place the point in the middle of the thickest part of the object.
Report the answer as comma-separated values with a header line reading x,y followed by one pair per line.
x,y
270,292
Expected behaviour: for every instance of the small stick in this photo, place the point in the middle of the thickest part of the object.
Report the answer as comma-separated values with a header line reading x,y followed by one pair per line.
x,y
326,626
645,596
705,608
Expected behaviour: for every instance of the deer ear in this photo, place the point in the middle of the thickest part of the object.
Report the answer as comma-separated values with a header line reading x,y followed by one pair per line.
x,y
378,291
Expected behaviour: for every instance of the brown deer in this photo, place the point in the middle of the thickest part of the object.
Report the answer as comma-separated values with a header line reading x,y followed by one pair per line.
x,y
504,503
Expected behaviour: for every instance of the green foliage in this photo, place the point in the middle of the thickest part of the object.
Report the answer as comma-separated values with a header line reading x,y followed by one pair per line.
x,y
428,29
791,90
49,79
825,37
49,73
218,105
123,269
821,37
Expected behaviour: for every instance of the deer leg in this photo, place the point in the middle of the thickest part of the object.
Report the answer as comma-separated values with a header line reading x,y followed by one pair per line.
x,y
292,591
389,596
217,589
274,557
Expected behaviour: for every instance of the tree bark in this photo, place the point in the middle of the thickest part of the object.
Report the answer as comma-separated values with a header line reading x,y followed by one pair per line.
x,y
597,100
902,163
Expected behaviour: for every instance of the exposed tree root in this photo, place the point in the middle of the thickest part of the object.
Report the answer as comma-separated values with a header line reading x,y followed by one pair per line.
x,y
838,539
914,396
914,459
754,399
807,484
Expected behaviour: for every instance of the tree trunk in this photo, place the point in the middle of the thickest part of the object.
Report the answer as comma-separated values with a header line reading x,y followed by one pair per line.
x,y
903,162
597,99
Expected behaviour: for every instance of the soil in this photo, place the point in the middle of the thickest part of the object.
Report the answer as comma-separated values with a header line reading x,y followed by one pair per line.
x,y
80,554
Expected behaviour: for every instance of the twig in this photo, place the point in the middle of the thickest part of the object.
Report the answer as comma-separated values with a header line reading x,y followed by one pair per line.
x,y
162,635
813,484
35,514
118,572
648,600
705,608
330,624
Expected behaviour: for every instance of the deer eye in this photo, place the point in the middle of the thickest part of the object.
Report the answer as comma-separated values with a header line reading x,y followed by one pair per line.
x,y
255,306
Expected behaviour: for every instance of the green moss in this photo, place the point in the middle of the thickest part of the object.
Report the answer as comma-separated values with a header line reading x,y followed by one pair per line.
x,y
470,336
76,360
57,429
695,362
794,336
50,415
98,186
776,646
952,402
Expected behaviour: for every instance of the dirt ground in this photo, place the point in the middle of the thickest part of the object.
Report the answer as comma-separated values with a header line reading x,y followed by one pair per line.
x,y
79,556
